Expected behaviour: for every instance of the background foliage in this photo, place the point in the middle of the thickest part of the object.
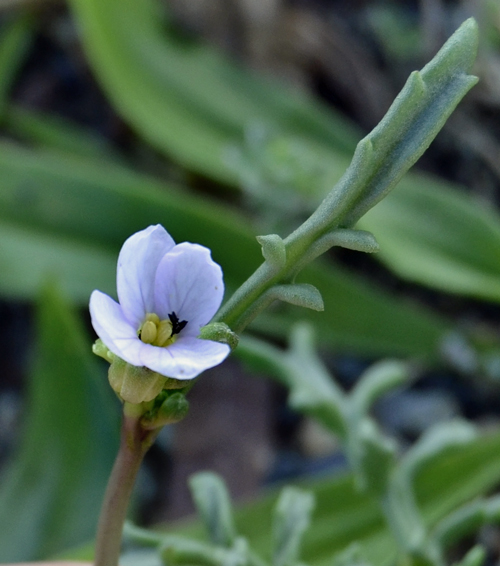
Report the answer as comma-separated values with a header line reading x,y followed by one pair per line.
x,y
143,121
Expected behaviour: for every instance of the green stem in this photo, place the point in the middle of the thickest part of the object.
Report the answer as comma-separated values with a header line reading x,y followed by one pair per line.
x,y
325,218
134,444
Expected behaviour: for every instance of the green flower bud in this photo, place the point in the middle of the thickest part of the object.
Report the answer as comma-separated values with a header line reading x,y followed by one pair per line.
x,y
134,384
173,409
101,350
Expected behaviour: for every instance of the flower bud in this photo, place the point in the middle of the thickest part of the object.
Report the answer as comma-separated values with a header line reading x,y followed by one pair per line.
x,y
134,384
101,350
173,409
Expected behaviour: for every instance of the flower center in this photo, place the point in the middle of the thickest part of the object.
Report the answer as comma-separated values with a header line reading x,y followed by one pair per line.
x,y
160,332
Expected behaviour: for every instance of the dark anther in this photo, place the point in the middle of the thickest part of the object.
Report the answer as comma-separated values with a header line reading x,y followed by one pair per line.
x,y
177,325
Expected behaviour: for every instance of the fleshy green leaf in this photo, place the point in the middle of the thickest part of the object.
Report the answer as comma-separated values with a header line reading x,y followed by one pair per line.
x,y
301,295
414,119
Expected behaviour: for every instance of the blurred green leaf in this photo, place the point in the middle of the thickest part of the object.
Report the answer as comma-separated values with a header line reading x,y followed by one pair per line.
x,y
69,215
343,515
292,517
29,255
211,497
51,492
439,237
187,99
16,37
51,131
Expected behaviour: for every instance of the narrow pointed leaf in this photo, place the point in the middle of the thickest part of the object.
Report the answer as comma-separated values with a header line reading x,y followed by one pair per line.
x,y
51,492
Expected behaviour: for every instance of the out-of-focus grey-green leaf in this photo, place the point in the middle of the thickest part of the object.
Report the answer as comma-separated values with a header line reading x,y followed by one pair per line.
x,y
438,236
343,515
377,380
311,388
186,99
292,516
475,557
51,492
466,520
435,441
70,215
212,500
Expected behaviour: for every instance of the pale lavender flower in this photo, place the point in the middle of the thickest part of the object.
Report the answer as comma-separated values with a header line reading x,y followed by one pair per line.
x,y
166,293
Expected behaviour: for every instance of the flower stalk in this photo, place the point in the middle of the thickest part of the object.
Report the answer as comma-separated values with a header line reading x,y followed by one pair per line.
x,y
134,443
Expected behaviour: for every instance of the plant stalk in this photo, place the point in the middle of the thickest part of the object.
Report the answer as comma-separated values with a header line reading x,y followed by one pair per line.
x,y
134,444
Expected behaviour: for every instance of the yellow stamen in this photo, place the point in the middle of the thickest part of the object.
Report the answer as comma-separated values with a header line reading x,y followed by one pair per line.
x,y
149,332
153,317
164,333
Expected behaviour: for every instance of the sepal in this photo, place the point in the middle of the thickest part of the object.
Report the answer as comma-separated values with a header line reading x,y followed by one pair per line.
x,y
134,384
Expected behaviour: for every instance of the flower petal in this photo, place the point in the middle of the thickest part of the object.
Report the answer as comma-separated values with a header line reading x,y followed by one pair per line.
x,y
114,329
184,359
137,264
189,283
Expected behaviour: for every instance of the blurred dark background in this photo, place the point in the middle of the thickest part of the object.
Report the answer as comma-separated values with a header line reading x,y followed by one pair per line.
x,y
354,56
